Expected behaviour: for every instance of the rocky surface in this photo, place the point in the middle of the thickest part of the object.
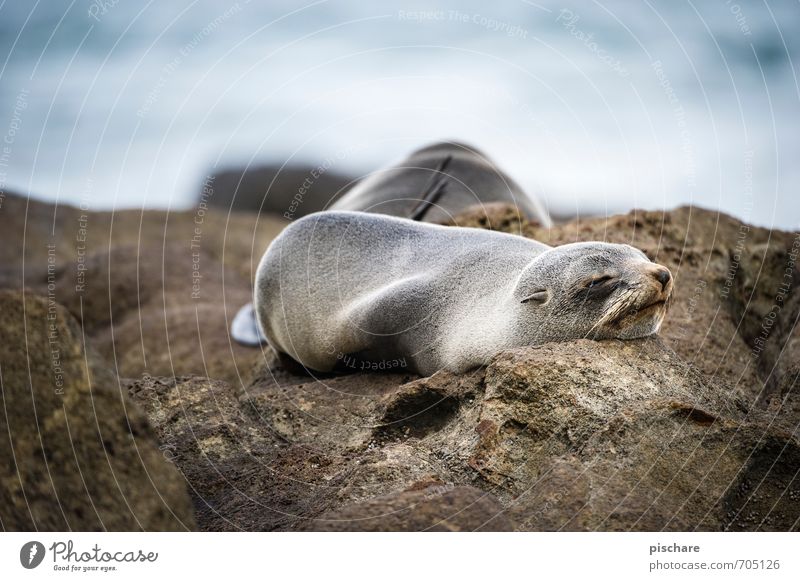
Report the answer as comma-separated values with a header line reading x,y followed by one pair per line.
x,y
694,430
76,452
573,436
154,291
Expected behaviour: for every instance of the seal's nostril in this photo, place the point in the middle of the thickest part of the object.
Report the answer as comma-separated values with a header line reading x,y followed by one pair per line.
x,y
662,275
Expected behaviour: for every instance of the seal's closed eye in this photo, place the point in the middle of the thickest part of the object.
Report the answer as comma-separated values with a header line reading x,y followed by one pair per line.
x,y
539,296
598,281
598,288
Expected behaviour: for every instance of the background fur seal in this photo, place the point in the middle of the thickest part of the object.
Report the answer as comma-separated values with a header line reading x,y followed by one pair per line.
x,y
470,178
358,290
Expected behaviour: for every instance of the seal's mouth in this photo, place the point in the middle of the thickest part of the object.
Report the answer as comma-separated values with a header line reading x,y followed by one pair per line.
x,y
637,313
634,313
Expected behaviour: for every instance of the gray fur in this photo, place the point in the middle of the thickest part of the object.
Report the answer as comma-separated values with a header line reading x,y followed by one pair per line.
x,y
365,291
471,178
432,184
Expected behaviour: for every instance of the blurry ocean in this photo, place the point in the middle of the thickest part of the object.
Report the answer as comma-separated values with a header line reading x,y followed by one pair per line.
x,y
597,107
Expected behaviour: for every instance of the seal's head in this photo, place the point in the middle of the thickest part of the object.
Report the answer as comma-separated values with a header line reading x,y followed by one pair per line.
x,y
594,290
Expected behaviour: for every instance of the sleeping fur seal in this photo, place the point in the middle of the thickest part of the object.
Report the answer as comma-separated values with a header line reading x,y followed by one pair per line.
x,y
432,184
366,291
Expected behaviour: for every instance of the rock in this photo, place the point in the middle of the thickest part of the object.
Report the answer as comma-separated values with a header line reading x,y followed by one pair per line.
x,y
583,435
77,454
150,289
492,216
626,436
235,468
733,308
438,507
693,430
337,412
276,190
270,457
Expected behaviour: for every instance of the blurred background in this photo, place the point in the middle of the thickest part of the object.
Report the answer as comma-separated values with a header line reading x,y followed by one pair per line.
x,y
595,107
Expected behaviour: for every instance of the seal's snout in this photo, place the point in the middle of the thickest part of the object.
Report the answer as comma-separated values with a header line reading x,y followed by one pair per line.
x,y
663,276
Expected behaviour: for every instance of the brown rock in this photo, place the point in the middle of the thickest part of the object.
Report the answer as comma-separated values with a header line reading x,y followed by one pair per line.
x,y
576,436
696,429
150,289
626,436
440,508
730,279
77,454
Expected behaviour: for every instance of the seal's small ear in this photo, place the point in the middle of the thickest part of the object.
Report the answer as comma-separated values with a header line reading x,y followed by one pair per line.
x,y
539,296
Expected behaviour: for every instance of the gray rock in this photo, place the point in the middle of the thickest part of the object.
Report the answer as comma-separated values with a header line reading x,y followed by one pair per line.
x,y
298,190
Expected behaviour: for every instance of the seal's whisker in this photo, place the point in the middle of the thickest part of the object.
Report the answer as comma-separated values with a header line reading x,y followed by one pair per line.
x,y
621,303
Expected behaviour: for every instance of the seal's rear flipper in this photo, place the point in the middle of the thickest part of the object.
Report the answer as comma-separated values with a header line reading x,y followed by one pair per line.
x,y
245,329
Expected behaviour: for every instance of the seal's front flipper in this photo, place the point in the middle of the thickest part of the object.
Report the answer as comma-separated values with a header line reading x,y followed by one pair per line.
x,y
245,329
